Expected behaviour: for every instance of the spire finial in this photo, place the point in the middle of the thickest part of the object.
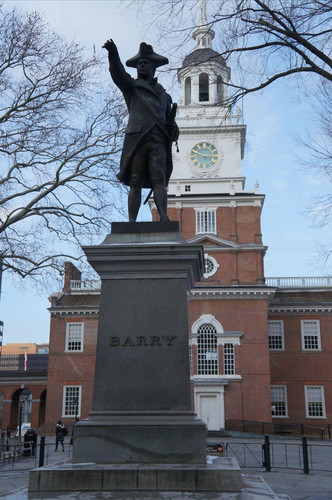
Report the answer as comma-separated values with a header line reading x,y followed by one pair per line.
x,y
203,34
203,19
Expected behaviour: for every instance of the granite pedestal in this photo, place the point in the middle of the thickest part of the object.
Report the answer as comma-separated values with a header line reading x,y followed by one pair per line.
x,y
142,403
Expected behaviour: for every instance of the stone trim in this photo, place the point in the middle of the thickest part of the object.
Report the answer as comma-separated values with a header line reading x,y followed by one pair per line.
x,y
231,293
73,312
296,310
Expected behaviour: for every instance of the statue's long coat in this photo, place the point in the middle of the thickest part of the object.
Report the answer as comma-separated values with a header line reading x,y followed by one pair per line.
x,y
148,105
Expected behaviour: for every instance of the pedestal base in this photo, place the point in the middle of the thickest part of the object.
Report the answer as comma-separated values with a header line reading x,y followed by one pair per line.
x,y
223,475
151,438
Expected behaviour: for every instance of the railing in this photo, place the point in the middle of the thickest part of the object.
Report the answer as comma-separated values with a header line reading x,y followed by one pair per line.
x,y
84,285
299,455
311,281
286,282
18,454
281,429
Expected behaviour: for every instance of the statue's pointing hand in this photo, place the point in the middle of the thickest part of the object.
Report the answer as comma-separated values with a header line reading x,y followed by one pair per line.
x,y
110,47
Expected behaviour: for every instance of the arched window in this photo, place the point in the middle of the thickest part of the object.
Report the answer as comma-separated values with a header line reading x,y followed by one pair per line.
x,y
187,91
207,350
220,89
203,87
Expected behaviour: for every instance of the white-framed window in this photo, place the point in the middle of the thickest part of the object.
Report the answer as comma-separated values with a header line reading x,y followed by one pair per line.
x,y
207,350
74,337
314,401
208,335
205,221
71,404
276,335
210,266
187,188
279,407
310,331
229,359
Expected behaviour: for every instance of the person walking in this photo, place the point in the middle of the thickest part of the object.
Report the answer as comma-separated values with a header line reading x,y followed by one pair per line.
x,y
59,435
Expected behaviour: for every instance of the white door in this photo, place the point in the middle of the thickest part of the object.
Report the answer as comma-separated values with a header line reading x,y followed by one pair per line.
x,y
209,411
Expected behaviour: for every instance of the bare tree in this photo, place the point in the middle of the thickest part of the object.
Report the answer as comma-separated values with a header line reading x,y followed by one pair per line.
x,y
60,135
262,41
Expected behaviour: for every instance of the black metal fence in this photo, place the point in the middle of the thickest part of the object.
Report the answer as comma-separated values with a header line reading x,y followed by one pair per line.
x,y
299,455
15,454
281,429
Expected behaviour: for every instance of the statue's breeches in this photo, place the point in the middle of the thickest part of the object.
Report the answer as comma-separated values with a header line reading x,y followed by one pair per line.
x,y
149,163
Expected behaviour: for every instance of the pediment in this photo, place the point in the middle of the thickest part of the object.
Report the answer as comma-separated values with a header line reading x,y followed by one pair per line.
x,y
212,240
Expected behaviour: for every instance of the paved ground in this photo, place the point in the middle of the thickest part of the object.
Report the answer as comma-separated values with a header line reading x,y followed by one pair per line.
x,y
295,484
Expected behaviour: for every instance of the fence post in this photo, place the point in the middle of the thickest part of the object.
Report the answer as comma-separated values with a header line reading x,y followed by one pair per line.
x,y
267,456
305,455
329,430
42,451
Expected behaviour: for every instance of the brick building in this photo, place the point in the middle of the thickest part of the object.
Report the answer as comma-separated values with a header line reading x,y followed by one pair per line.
x,y
260,348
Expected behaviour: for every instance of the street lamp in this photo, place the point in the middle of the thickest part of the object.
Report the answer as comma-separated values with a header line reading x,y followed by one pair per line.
x,y
24,392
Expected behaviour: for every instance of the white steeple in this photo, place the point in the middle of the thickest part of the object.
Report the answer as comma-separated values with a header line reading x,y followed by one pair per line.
x,y
203,35
212,138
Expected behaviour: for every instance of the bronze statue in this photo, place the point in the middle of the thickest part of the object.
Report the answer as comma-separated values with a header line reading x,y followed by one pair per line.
x,y
146,159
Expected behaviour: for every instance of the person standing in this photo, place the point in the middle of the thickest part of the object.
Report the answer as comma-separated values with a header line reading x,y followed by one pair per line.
x,y
59,435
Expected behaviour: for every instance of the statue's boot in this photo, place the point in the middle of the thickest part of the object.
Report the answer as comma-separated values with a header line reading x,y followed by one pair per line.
x,y
160,199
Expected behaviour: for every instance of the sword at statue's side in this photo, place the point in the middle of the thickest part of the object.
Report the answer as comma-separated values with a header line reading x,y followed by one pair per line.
x,y
173,131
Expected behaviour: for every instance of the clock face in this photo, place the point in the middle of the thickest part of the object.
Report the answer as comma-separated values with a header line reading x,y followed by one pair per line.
x,y
204,155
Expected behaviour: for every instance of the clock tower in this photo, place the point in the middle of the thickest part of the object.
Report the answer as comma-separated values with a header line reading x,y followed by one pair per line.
x,y
228,329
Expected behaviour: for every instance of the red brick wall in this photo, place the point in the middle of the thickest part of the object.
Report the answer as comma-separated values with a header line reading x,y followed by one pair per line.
x,y
296,368
75,368
238,224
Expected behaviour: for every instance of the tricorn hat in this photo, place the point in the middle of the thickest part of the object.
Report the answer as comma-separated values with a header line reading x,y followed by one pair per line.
x,y
146,52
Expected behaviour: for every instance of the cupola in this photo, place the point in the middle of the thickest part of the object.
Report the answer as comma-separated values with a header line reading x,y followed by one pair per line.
x,y
204,73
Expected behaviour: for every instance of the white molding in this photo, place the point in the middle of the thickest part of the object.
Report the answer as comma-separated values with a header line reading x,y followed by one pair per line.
x,y
231,293
191,200
213,238
215,266
73,312
296,310
206,318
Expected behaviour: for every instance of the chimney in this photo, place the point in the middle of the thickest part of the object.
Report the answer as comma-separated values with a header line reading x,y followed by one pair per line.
x,y
71,273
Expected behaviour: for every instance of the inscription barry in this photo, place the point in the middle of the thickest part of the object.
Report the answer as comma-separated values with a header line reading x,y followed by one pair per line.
x,y
142,341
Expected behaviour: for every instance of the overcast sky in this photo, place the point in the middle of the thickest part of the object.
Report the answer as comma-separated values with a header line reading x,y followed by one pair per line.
x,y
272,118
